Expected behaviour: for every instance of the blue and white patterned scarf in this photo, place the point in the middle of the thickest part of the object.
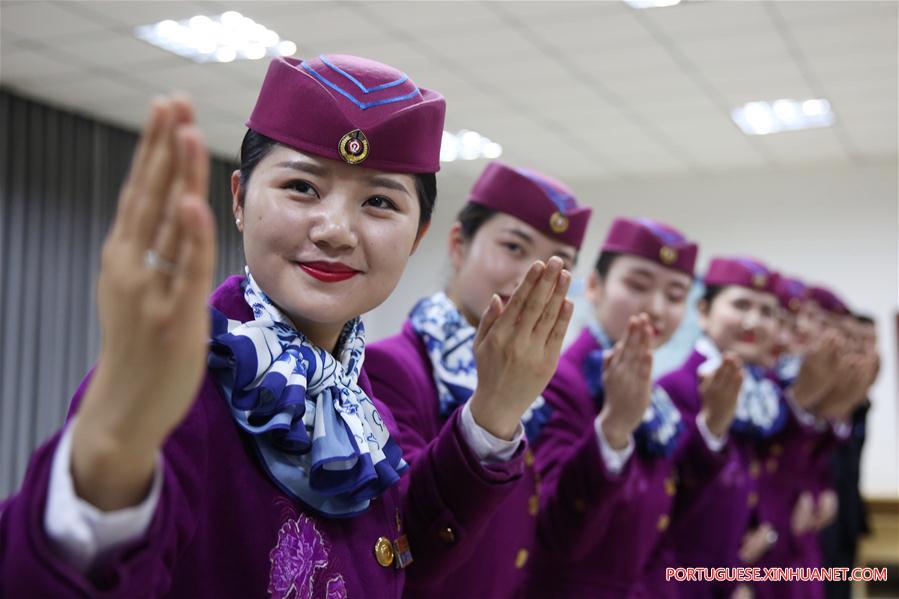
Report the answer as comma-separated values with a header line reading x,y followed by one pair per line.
x,y
787,369
319,436
662,425
760,409
449,340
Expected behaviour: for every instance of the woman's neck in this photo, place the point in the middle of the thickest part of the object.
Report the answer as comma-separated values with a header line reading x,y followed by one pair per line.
x,y
323,335
473,320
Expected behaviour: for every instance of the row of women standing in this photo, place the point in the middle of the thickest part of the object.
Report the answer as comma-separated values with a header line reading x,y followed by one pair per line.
x,y
272,453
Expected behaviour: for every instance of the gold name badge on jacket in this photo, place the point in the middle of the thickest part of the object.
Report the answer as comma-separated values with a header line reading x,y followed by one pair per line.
x,y
396,552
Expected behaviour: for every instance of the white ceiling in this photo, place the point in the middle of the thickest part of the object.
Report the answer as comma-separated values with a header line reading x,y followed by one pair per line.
x,y
578,89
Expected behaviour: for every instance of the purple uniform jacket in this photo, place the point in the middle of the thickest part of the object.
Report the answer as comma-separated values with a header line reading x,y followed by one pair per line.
x,y
402,377
711,534
798,461
223,529
600,533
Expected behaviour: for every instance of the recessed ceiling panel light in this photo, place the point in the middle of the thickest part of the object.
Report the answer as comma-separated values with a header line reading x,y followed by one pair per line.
x,y
222,38
639,4
467,145
762,118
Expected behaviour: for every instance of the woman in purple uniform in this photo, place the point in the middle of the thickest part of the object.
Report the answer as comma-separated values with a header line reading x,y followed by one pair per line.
x,y
619,457
248,457
796,499
738,313
430,373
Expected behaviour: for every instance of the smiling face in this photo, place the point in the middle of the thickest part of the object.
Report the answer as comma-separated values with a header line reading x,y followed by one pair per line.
x,y
743,321
635,285
496,260
326,241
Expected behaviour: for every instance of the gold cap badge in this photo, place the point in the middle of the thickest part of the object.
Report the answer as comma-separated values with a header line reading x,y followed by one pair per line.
x,y
668,255
353,147
558,222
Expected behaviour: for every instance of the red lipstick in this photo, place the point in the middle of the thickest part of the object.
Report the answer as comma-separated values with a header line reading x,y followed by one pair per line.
x,y
328,272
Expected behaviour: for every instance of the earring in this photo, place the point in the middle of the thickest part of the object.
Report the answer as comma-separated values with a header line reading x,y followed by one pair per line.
x,y
237,221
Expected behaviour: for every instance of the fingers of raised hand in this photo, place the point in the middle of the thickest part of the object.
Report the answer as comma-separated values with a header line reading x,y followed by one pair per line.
x,y
513,308
548,318
630,342
488,318
151,190
192,282
540,294
557,335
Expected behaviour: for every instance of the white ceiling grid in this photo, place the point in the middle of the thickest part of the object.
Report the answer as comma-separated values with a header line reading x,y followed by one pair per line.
x,y
579,89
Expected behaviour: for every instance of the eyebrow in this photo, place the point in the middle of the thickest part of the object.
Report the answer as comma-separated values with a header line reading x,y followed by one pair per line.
x,y
388,183
564,254
642,272
306,167
519,233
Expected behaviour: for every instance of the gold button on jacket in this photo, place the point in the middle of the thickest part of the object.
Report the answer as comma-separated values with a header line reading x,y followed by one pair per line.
x,y
384,552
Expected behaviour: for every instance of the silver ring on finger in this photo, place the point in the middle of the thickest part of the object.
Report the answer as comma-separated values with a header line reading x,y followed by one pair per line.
x,y
153,260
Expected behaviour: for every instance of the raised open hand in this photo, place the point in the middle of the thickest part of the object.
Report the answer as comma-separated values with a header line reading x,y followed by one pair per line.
x,y
155,277
517,347
826,509
802,519
627,381
818,372
756,542
719,392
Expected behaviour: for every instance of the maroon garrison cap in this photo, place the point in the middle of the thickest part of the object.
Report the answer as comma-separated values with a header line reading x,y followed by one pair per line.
x,y
653,240
745,272
351,109
828,300
792,293
542,202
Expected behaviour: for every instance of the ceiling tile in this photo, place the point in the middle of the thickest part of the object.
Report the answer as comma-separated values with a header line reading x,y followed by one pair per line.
x,y
116,51
132,13
593,89
83,93
38,20
546,11
417,18
703,20
828,11
25,65
589,33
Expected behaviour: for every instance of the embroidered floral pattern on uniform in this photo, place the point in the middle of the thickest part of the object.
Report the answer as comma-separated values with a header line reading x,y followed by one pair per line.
x,y
336,588
300,552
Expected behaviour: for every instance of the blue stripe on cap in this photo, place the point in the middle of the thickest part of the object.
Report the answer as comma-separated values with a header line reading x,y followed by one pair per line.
x,y
348,96
667,236
753,266
564,202
365,90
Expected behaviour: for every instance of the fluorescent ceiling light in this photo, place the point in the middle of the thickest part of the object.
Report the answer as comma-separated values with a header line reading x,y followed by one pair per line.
x,y
651,3
762,118
467,145
222,38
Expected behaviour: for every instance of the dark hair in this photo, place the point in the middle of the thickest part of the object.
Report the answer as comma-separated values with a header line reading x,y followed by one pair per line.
x,y
472,217
863,318
711,292
256,146
604,263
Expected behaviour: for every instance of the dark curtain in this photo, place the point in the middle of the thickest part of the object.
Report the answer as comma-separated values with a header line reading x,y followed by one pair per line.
x,y
59,178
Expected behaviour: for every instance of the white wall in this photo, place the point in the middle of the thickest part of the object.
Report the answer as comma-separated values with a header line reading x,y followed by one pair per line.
x,y
831,225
